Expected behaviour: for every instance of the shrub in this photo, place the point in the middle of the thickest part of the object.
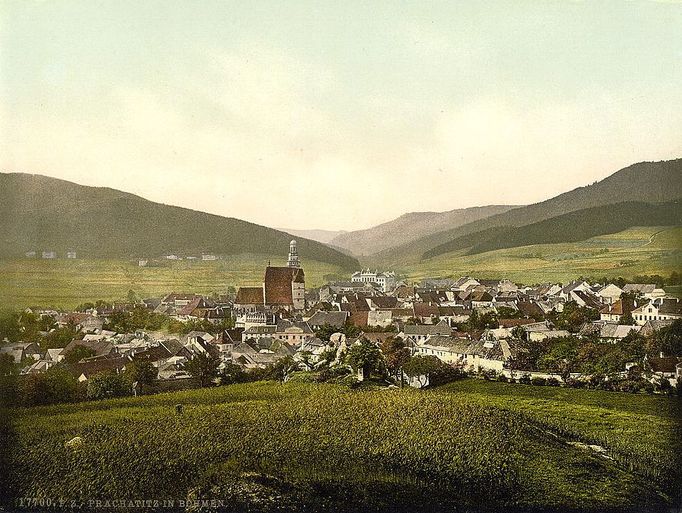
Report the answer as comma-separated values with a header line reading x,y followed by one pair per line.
x,y
503,378
553,382
525,379
108,384
538,381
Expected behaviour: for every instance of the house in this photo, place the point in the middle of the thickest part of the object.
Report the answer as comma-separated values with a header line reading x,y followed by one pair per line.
x,y
49,254
448,349
99,346
292,332
660,309
613,333
385,280
465,283
71,255
88,367
585,298
249,299
613,312
610,293
323,318
420,332
666,367
648,290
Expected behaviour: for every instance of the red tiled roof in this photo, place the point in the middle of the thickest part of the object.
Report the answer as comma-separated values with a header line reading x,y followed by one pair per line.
x,y
425,310
359,319
249,296
278,282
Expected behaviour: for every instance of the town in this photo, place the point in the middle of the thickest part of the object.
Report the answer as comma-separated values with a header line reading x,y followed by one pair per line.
x,y
374,326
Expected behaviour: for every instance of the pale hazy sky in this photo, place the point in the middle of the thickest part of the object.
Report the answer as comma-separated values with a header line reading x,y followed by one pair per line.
x,y
338,115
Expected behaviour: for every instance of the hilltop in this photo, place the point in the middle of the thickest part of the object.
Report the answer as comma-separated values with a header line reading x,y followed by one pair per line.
x,y
39,213
410,227
645,182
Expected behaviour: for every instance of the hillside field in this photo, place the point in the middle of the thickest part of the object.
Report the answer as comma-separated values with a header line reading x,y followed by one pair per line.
x,y
68,283
472,445
632,252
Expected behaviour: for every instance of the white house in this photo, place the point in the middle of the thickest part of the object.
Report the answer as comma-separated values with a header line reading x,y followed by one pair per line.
x,y
385,280
658,310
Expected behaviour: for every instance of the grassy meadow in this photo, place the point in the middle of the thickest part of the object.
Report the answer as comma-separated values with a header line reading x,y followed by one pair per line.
x,y
636,251
67,283
308,447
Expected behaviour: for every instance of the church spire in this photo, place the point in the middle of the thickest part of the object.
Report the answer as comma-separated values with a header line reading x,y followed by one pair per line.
x,y
293,255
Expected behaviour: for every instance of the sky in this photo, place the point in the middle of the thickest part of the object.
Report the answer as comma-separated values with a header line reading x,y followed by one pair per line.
x,y
338,115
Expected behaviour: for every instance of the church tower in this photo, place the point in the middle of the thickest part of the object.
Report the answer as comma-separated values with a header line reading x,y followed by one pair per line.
x,y
293,255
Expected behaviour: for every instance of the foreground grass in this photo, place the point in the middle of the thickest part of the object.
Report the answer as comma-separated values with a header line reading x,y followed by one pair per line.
x,y
68,283
307,446
636,251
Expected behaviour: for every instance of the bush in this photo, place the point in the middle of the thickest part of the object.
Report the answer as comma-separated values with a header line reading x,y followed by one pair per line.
x,y
108,384
332,373
503,378
553,382
525,379
538,381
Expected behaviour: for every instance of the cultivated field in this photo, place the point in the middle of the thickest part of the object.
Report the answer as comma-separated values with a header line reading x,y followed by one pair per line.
x,y
636,251
307,447
67,283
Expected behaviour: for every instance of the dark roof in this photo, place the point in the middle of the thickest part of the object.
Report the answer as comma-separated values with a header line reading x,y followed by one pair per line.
x,y
337,319
100,347
667,364
91,366
385,302
249,296
153,354
278,282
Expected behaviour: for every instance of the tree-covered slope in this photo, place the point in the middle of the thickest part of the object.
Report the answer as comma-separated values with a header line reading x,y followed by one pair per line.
x,y
572,227
649,182
38,213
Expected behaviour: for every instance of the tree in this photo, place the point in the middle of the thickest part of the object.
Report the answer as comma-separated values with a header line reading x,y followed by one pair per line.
x,y
366,356
396,354
325,332
667,340
422,368
142,371
203,366
77,353
56,385
8,367
233,373
106,385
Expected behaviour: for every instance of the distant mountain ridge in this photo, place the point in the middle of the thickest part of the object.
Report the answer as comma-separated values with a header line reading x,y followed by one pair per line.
x,y
40,213
323,236
409,227
646,182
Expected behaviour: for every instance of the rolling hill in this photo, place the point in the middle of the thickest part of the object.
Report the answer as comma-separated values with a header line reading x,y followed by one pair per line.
x,y
571,227
648,182
39,213
410,227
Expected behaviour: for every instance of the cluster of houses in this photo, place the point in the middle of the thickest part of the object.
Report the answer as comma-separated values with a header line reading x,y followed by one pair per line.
x,y
50,255
280,318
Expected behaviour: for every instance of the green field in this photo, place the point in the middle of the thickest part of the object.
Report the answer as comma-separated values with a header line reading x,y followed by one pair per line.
x,y
636,251
472,445
67,283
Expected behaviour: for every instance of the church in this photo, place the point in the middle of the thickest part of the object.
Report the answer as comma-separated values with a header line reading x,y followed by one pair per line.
x,y
283,287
